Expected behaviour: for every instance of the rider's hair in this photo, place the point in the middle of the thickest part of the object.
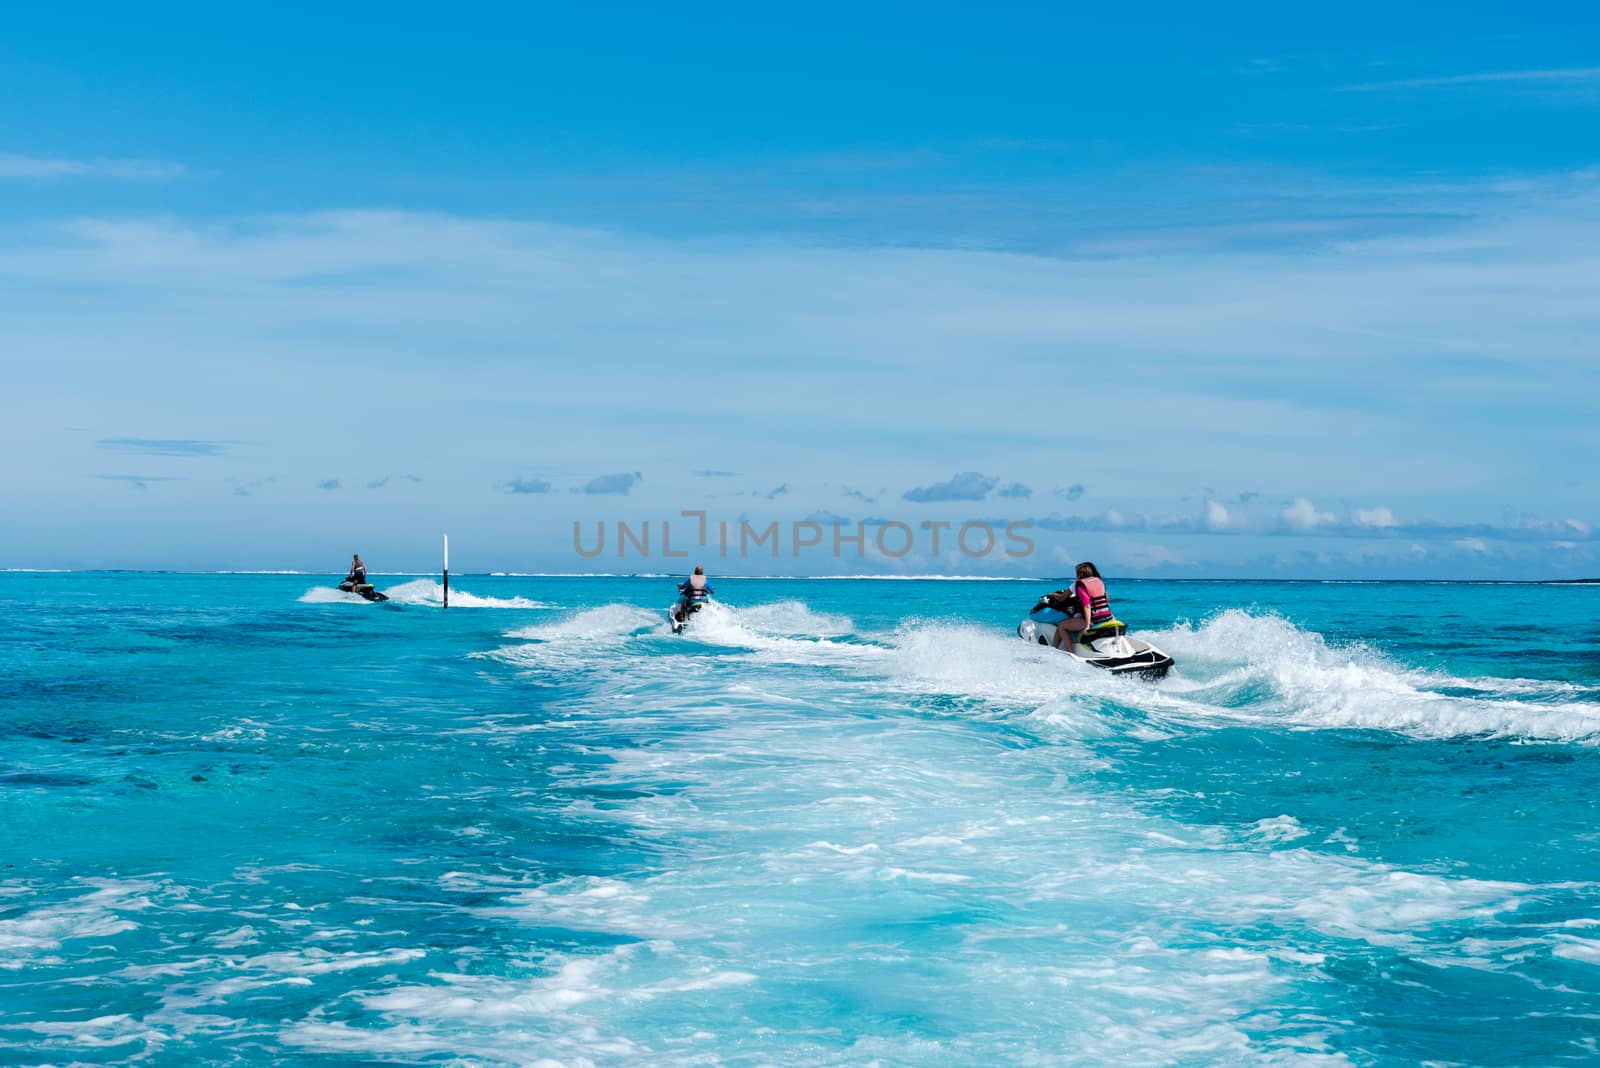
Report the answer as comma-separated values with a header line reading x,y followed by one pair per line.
x,y
1088,570
698,570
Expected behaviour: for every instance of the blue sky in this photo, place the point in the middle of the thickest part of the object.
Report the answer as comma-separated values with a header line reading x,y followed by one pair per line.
x,y
1263,293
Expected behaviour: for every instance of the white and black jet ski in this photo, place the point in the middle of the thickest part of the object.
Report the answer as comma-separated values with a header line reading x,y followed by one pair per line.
x,y
679,614
363,589
1109,648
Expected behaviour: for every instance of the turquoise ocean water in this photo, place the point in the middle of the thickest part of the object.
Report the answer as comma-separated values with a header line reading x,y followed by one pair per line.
x,y
248,819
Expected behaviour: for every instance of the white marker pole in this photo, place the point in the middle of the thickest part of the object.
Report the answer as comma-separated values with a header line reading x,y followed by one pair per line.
x,y
447,571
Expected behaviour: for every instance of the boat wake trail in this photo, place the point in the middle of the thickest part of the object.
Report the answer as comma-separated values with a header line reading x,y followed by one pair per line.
x,y
826,806
331,595
1263,669
421,592
1236,668
428,592
1242,668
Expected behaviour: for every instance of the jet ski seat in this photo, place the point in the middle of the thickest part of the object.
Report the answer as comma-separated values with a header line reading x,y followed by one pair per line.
x,y
1114,629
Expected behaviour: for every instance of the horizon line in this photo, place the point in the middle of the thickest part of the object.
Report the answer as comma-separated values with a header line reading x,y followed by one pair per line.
x,y
288,573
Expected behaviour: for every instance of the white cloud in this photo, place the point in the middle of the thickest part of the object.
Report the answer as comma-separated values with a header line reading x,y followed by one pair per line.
x,y
1471,545
1380,518
1303,515
967,486
43,168
1547,75
619,483
1217,517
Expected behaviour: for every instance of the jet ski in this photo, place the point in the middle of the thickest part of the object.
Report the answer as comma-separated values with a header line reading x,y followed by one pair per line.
x,y
1109,647
679,614
363,589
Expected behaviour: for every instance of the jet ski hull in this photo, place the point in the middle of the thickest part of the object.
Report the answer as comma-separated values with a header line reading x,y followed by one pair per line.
x,y
1118,654
365,589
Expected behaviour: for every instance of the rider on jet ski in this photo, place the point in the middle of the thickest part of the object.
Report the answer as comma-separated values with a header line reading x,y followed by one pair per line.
x,y
357,582
695,592
1084,608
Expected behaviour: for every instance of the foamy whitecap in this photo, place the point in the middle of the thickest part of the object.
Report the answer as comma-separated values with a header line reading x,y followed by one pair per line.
x,y
786,632
792,618
606,622
103,909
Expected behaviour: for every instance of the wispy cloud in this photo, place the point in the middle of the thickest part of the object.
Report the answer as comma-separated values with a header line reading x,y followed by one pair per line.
x,y
712,473
774,494
249,488
1545,76
165,446
1072,492
967,486
1262,358
1284,233
1311,129
330,484
1016,489
526,485
1051,145
140,481
1301,518
1143,556
379,483
620,483
47,167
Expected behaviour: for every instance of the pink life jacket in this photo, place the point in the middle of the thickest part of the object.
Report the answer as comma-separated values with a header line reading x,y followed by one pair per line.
x,y
1097,605
697,582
